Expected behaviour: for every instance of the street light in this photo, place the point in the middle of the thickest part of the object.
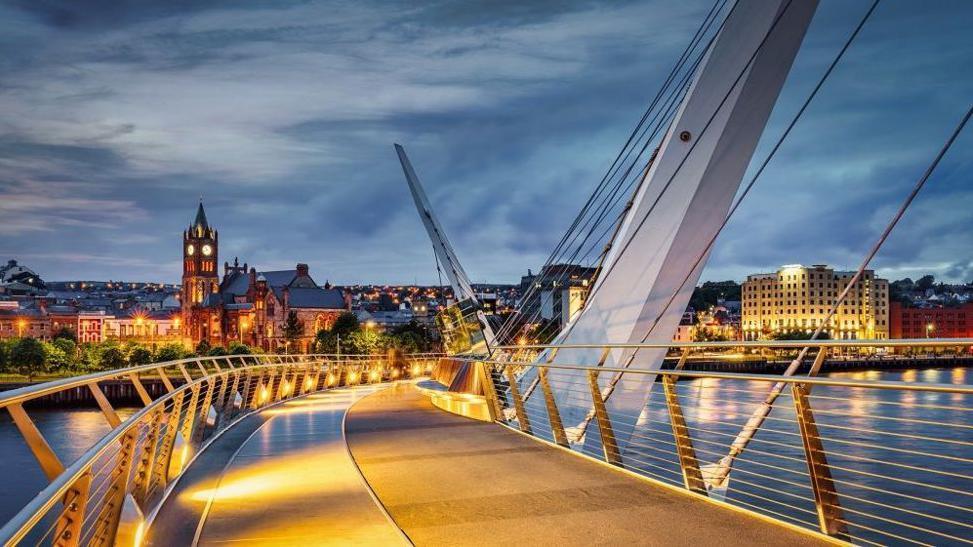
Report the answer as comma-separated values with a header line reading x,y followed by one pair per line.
x,y
929,329
21,325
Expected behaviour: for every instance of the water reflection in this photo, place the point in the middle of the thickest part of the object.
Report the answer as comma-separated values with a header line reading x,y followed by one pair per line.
x,y
70,432
900,459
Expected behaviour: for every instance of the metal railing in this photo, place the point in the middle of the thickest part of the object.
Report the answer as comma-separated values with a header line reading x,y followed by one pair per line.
x,y
101,498
867,461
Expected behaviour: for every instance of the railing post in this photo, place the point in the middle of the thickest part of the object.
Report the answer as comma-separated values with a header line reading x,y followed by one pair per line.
x,y
554,416
489,389
104,405
108,524
146,460
830,515
608,442
48,460
67,531
188,421
140,389
518,402
692,478
160,467
165,380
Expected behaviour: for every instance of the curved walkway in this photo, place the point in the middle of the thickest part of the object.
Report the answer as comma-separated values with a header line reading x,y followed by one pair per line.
x,y
290,482
448,480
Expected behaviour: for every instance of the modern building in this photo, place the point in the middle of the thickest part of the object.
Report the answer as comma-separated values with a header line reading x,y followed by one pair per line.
x,y
557,293
798,298
931,322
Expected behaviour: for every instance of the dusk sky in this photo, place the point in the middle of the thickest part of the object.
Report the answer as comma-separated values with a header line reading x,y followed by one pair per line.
x,y
118,115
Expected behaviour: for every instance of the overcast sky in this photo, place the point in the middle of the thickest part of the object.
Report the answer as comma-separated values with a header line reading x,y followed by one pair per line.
x,y
117,115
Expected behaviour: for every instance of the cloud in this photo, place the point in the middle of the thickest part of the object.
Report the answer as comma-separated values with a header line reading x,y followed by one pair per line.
x,y
118,115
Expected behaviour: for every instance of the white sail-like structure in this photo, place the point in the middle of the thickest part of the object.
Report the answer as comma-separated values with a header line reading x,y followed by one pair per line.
x,y
458,280
683,201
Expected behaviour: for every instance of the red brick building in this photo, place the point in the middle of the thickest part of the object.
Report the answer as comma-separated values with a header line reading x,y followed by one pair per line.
x,y
955,322
247,305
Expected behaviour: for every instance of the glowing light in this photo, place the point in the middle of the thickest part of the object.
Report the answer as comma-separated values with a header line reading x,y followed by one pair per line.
x,y
395,373
416,370
286,388
308,383
331,379
352,377
373,376
263,395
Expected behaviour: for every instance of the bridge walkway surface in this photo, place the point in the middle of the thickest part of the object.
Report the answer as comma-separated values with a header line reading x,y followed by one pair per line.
x,y
280,477
285,476
449,480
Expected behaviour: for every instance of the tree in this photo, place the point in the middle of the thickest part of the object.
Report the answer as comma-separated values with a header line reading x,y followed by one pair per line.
x,y
69,347
66,334
139,355
326,342
202,348
112,358
292,328
798,335
363,342
216,351
237,348
55,357
412,338
169,352
345,324
28,357
925,282
711,292
5,347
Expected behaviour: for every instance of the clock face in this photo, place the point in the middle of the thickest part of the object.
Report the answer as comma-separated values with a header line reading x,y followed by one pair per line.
x,y
190,250
207,250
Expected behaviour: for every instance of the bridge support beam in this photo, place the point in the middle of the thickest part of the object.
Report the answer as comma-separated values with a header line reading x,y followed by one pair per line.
x,y
608,443
517,400
830,514
692,478
553,415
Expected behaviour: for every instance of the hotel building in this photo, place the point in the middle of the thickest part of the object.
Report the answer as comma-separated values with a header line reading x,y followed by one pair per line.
x,y
798,298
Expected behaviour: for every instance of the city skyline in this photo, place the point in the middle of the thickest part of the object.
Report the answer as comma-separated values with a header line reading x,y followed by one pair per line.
x,y
120,119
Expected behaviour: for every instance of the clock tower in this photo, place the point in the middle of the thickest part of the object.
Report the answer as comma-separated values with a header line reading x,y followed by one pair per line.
x,y
200,245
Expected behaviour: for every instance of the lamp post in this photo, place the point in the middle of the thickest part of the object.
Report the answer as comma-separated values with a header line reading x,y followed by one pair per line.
x,y
929,329
21,325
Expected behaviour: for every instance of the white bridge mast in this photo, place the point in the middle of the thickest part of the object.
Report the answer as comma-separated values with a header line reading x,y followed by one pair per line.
x,y
682,202
458,280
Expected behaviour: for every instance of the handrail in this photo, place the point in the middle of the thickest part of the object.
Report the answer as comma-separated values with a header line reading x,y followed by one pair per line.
x,y
838,343
148,443
877,384
27,393
866,461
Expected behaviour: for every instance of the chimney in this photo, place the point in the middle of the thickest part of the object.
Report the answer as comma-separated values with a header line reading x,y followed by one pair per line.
x,y
253,276
302,270
287,299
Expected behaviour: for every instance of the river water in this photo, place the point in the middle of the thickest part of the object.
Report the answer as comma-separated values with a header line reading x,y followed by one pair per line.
x,y
873,470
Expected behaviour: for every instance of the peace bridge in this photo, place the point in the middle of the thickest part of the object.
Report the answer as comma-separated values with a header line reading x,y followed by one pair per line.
x,y
429,450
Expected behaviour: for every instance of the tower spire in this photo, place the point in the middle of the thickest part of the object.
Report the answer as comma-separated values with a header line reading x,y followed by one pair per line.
x,y
200,224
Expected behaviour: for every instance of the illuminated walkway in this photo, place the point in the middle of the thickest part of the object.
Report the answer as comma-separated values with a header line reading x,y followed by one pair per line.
x,y
448,480
291,482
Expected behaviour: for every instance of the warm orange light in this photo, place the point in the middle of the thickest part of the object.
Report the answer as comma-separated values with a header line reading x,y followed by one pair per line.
x,y
352,377
416,370
308,383
286,389
330,379
373,376
263,395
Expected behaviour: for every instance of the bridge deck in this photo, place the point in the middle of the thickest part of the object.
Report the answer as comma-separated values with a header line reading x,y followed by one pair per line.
x,y
281,477
448,480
